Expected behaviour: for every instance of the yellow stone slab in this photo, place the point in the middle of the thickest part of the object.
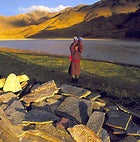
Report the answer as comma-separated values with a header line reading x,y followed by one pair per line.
x,y
22,78
35,134
44,91
2,81
82,133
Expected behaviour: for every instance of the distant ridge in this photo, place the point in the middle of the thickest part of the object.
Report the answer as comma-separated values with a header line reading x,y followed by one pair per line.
x,y
105,18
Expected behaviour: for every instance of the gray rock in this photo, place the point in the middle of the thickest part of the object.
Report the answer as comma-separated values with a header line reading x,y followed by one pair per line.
x,y
129,139
42,105
96,121
70,90
118,119
76,109
40,116
104,135
15,111
133,129
132,112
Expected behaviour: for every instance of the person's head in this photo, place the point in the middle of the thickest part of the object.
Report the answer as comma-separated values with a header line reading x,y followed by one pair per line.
x,y
76,47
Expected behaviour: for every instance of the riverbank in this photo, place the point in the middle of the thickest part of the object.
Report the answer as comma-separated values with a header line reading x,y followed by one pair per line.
x,y
111,79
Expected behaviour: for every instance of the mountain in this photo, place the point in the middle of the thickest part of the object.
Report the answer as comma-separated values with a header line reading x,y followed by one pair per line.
x,y
106,18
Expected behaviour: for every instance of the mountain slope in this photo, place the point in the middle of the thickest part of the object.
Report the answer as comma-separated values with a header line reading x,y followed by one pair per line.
x,y
106,18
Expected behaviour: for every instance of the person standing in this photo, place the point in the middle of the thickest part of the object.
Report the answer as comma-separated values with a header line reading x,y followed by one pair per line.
x,y
76,48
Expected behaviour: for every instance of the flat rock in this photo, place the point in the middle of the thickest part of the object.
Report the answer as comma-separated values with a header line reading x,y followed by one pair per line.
x,y
38,136
42,105
57,132
82,133
15,111
40,116
2,81
70,90
96,121
12,107
76,109
44,91
13,129
133,129
104,135
93,96
129,139
6,97
118,119
132,112
12,84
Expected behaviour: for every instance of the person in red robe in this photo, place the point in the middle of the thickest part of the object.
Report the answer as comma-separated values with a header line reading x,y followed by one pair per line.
x,y
76,48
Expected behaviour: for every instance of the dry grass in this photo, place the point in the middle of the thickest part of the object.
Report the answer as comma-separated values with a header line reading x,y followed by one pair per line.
x,y
117,80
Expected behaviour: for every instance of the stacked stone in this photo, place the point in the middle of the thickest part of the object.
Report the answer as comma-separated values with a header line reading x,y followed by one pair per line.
x,y
32,111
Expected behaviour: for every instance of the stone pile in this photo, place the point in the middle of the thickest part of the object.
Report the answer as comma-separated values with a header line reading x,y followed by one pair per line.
x,y
43,112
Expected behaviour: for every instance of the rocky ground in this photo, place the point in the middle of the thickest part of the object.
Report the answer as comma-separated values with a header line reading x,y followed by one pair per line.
x,y
47,112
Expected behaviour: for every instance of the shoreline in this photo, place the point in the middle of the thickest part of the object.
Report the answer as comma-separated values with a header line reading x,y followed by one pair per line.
x,y
13,50
98,39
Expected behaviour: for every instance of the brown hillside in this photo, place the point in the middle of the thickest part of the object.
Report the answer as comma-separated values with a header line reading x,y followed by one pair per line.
x,y
106,16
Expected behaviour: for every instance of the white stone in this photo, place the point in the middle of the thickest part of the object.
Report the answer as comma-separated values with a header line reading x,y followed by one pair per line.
x,y
12,84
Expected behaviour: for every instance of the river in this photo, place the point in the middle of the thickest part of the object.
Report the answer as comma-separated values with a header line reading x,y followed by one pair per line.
x,y
112,50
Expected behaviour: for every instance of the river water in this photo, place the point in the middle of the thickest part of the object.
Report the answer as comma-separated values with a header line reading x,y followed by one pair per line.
x,y
112,50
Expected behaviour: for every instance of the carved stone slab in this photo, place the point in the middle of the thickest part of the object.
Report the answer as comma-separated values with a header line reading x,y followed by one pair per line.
x,y
15,111
70,90
56,132
96,121
118,119
12,107
40,116
76,109
44,91
82,133
104,135
132,130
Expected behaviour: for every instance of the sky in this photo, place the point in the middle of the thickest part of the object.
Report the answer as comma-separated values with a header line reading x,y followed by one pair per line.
x,y
15,7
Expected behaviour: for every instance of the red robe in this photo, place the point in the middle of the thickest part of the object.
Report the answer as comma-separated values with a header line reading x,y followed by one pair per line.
x,y
75,58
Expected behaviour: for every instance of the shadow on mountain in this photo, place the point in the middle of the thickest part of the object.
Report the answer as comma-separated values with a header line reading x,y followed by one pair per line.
x,y
115,26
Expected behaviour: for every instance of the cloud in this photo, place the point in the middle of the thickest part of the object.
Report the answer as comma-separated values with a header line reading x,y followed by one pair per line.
x,y
41,8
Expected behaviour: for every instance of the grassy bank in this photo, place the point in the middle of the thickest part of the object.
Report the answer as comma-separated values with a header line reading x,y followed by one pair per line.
x,y
117,80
